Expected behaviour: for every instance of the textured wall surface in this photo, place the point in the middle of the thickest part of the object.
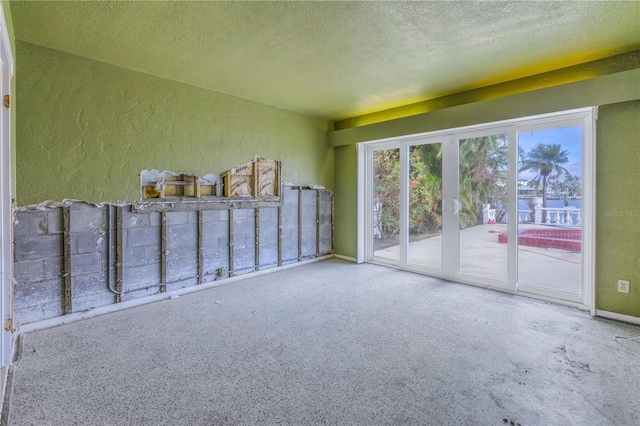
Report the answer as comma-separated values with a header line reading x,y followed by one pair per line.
x,y
85,130
346,200
92,255
618,207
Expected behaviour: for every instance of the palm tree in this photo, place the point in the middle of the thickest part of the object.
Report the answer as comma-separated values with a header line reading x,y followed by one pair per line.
x,y
482,168
545,160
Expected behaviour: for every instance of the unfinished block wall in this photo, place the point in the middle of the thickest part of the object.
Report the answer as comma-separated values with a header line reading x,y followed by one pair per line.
x,y
78,256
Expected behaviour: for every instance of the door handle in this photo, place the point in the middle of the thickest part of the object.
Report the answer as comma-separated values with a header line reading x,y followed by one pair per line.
x,y
444,206
457,206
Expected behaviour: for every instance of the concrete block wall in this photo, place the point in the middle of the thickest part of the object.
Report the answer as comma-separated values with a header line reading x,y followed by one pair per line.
x,y
109,246
289,212
141,248
38,266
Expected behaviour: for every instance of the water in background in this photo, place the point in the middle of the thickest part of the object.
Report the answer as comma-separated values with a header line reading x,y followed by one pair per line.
x,y
522,204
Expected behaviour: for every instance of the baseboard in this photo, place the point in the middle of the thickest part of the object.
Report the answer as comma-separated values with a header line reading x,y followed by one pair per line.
x,y
618,317
78,316
347,258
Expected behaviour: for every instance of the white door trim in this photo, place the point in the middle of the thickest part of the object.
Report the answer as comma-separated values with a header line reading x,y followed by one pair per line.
x,y
6,232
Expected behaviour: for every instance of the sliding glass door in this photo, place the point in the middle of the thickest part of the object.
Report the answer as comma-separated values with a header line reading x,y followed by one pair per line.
x,y
385,224
482,194
550,213
424,209
504,205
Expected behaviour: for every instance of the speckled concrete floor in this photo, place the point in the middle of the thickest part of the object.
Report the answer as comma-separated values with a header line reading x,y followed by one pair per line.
x,y
332,343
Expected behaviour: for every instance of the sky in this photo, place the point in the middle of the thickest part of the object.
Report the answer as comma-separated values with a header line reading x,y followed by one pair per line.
x,y
569,138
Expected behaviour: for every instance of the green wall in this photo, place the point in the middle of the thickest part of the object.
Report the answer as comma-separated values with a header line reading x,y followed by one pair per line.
x,y
85,129
345,200
618,207
617,159
6,8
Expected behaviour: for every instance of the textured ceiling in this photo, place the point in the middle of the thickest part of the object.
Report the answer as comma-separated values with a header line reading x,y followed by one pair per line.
x,y
334,59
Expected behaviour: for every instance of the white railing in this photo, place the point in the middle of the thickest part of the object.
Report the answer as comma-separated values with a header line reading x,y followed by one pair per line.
x,y
488,214
567,216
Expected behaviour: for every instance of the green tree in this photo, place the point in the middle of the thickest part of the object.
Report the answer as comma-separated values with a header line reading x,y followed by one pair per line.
x,y
387,192
545,160
483,177
425,189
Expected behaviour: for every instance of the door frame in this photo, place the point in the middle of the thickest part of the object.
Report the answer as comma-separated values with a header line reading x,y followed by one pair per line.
x,y
6,230
589,117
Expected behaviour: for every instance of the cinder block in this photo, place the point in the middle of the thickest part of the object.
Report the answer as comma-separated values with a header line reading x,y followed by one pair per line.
x,y
243,259
268,235
209,216
54,221
37,247
244,226
182,261
325,242
155,219
309,220
89,284
182,250
29,271
189,282
243,271
53,267
192,217
308,248
135,256
32,294
240,242
135,220
239,214
268,255
177,218
87,263
213,262
289,250
209,245
139,237
90,301
286,209
28,314
289,235
290,195
142,292
153,254
141,276
30,222
289,222
88,242
309,202
87,218
215,230
178,234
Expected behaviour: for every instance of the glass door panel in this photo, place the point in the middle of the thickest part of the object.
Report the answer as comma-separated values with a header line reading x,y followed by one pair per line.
x,y
550,209
499,205
425,205
482,206
386,204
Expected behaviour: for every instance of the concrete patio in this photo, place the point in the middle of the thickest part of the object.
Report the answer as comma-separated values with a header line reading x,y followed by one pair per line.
x,y
331,343
483,256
